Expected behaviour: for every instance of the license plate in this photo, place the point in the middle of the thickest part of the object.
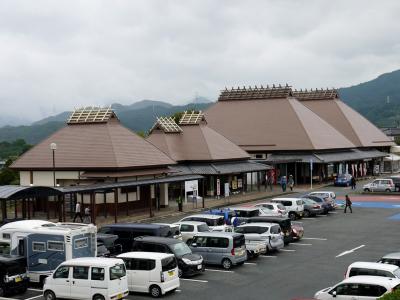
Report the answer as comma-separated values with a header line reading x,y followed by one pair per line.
x,y
18,279
199,267
171,273
120,296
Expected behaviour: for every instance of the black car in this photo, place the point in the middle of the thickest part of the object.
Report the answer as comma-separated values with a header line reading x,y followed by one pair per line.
x,y
188,263
13,277
284,223
107,246
127,232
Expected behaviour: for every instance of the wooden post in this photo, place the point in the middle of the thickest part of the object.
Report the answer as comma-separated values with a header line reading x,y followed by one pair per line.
x,y
29,208
93,207
34,199
127,203
15,209
4,208
202,190
59,207
151,204
116,205
105,204
63,207
23,208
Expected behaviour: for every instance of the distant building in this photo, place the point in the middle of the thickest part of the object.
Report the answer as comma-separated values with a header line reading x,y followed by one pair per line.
x,y
296,130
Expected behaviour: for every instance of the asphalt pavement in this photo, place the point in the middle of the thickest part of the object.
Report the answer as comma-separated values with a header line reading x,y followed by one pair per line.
x,y
319,260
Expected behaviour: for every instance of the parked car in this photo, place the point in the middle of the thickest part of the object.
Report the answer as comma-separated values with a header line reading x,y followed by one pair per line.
x,y
380,185
359,287
13,277
391,258
225,212
274,209
107,245
312,208
220,248
269,233
396,180
188,263
127,232
297,231
372,269
343,180
246,211
214,222
189,228
328,196
325,204
174,233
149,272
94,278
284,223
294,206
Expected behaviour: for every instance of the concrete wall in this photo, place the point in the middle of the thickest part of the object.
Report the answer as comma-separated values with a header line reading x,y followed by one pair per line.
x,y
45,178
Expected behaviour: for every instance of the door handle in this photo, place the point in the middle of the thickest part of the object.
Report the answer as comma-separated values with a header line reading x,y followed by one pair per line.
x,y
67,280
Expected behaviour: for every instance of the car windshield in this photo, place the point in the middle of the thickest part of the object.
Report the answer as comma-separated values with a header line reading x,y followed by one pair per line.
x,y
397,273
118,271
180,249
390,261
203,228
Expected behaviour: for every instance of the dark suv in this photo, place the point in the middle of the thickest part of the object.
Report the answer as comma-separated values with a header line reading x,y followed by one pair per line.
x,y
13,277
188,262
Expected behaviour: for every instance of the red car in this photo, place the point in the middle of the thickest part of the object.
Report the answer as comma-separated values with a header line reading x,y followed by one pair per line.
x,y
297,231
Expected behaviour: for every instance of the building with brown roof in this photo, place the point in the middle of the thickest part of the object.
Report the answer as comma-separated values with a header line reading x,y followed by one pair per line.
x,y
274,126
201,150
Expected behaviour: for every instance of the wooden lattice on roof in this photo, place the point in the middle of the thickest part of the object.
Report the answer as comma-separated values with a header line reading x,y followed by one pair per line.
x,y
166,124
191,118
316,94
91,114
250,93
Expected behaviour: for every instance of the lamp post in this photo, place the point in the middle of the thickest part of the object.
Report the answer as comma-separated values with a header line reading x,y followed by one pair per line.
x,y
53,147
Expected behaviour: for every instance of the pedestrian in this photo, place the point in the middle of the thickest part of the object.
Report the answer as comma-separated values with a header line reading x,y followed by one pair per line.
x,y
291,182
353,183
87,218
271,180
283,183
179,201
77,211
348,204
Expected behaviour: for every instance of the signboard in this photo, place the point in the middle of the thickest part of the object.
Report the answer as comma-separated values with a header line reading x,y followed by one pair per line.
x,y
218,187
226,189
240,183
191,185
234,183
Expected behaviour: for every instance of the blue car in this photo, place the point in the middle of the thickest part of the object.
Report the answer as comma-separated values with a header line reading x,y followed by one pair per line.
x,y
226,212
343,180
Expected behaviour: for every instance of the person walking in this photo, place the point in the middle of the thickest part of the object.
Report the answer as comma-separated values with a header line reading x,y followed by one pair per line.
x,y
353,183
269,181
291,182
87,218
283,183
78,211
348,204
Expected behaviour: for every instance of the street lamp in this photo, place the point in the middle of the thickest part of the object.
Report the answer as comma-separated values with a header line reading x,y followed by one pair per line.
x,y
53,147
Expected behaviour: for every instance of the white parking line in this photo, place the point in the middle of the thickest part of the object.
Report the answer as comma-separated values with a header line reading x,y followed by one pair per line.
x,y
333,212
287,250
2,298
33,297
178,291
322,215
350,251
300,244
252,264
268,256
316,239
309,218
36,290
194,280
222,271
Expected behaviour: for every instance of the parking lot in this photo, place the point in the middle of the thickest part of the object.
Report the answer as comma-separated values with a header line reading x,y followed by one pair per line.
x,y
319,260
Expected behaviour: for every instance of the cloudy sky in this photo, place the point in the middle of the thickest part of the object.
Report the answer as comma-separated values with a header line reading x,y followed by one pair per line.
x,y
55,55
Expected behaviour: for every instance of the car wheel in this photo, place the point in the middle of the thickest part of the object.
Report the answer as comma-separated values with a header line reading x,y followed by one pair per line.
x,y
180,273
307,214
388,190
49,295
155,291
226,264
367,190
98,297
292,216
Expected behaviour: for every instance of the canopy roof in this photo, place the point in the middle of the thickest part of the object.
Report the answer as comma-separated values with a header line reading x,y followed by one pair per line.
x,y
273,124
84,146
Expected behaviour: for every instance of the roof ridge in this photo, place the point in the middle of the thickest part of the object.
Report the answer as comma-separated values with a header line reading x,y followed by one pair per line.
x,y
112,144
205,141
298,118
350,123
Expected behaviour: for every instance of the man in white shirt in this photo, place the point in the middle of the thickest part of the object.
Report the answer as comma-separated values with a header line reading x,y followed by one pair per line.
x,y
78,211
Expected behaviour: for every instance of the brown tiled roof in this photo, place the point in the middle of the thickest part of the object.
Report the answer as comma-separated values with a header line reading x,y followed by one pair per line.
x,y
196,143
276,124
356,128
130,173
251,93
316,94
94,146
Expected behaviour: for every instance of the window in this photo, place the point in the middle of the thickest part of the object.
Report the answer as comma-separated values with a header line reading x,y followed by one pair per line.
x,y
217,242
123,234
187,228
371,290
168,263
149,247
275,230
80,272
238,241
200,241
38,247
62,272
203,228
180,249
117,272
4,248
81,243
98,274
142,264
6,236
390,261
55,246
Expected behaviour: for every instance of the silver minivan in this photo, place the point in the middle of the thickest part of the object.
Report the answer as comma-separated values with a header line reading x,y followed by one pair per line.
x,y
220,248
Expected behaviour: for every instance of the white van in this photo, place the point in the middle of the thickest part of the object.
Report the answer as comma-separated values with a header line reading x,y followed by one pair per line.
x,y
372,269
95,278
151,272
294,206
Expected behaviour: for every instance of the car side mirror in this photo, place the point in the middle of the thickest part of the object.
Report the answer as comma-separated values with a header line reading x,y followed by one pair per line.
x,y
334,294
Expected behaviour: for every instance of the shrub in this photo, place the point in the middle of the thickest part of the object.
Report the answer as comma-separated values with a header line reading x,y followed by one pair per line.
x,y
391,296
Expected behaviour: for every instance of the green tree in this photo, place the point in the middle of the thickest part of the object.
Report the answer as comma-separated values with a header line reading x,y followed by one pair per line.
x,y
7,175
